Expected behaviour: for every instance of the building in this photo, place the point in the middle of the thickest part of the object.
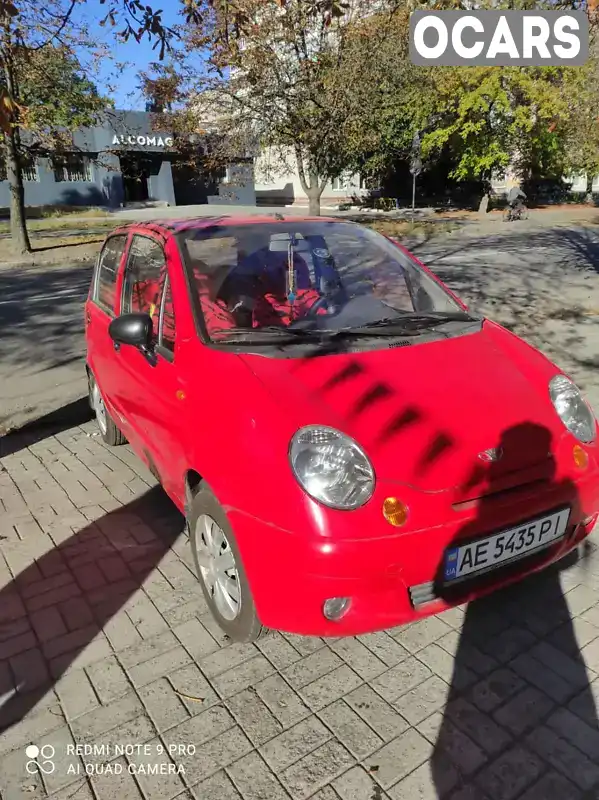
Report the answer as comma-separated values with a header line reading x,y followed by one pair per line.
x,y
125,160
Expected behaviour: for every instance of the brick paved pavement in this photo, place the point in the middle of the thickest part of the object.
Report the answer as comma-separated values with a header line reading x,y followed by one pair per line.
x,y
105,642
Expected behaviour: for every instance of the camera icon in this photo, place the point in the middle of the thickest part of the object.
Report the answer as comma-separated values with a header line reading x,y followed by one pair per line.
x,y
40,759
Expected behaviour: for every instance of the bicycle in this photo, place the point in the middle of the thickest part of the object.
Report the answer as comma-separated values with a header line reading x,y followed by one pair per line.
x,y
513,214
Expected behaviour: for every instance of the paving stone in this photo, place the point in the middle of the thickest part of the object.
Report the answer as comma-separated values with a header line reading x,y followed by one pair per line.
x,y
330,687
293,744
255,781
108,679
362,660
75,640
217,787
145,616
506,777
422,633
226,658
17,644
67,765
96,650
189,681
312,667
199,729
449,741
116,784
379,715
164,706
552,784
384,647
257,722
76,694
94,723
122,634
47,624
163,785
479,727
400,679
278,650
149,671
524,710
564,757
450,669
77,614
214,754
283,702
544,678
316,769
398,758
243,675
569,726
35,725
195,638
573,670
586,703
15,782
496,688
30,670
350,729
429,781
356,784
419,703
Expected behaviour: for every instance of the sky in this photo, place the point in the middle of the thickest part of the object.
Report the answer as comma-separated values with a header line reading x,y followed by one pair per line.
x,y
122,84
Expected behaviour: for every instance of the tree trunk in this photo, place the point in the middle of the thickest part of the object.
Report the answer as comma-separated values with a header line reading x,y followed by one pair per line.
x,y
589,196
314,201
310,183
18,222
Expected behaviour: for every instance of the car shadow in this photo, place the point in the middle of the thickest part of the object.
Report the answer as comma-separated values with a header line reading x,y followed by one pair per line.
x,y
520,711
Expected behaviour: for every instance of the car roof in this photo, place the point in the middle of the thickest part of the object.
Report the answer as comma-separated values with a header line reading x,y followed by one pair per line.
x,y
168,227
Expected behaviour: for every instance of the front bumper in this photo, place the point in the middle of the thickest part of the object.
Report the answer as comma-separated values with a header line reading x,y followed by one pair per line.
x,y
392,578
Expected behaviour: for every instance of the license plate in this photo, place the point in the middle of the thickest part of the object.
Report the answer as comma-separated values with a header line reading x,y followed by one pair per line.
x,y
488,553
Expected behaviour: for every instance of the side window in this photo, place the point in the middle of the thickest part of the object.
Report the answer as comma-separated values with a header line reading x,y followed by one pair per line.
x,y
104,290
144,278
166,336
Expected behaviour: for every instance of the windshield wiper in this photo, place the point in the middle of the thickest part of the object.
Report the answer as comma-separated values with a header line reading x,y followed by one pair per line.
x,y
408,325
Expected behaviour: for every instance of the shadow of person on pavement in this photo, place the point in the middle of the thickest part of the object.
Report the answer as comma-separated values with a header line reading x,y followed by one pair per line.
x,y
63,601
520,711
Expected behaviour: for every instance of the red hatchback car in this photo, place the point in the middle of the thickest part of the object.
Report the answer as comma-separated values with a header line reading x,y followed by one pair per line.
x,y
351,447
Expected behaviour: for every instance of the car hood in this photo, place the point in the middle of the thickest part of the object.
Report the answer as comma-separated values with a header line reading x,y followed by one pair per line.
x,y
428,414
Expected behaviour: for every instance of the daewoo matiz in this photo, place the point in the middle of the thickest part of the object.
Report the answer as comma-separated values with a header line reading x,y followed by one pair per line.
x,y
351,447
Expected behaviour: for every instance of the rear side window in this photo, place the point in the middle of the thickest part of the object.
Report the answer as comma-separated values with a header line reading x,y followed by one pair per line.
x,y
104,292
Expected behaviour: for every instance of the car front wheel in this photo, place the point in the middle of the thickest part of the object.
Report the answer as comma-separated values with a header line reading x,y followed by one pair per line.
x,y
220,569
108,429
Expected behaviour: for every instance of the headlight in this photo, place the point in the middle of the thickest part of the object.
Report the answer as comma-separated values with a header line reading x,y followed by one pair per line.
x,y
572,408
331,467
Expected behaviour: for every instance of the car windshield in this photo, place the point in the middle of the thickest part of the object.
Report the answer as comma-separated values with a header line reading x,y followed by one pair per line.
x,y
307,278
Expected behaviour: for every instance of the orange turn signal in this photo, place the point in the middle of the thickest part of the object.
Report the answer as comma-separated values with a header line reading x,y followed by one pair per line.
x,y
395,512
581,459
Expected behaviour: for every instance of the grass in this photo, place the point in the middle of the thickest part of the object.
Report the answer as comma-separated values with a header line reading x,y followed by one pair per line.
x,y
401,229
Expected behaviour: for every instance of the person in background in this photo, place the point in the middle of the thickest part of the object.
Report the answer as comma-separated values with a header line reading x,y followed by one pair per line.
x,y
516,198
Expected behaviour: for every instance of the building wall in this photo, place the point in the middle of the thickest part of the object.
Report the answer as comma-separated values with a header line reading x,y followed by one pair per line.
x,y
278,182
125,131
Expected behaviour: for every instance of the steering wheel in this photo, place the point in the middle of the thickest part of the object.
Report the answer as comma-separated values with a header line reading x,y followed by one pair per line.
x,y
322,302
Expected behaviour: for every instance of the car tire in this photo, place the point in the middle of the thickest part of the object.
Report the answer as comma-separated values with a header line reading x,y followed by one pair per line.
x,y
238,620
108,430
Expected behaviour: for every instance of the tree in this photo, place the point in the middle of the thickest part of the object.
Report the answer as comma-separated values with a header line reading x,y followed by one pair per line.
x,y
286,81
43,89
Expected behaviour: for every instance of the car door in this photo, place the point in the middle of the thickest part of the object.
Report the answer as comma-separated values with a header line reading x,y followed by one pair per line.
x,y
148,392
100,310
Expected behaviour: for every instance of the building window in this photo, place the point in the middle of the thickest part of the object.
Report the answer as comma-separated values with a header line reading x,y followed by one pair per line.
x,y
72,167
29,169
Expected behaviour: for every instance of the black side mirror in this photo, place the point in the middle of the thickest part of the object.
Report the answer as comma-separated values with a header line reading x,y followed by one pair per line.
x,y
135,330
